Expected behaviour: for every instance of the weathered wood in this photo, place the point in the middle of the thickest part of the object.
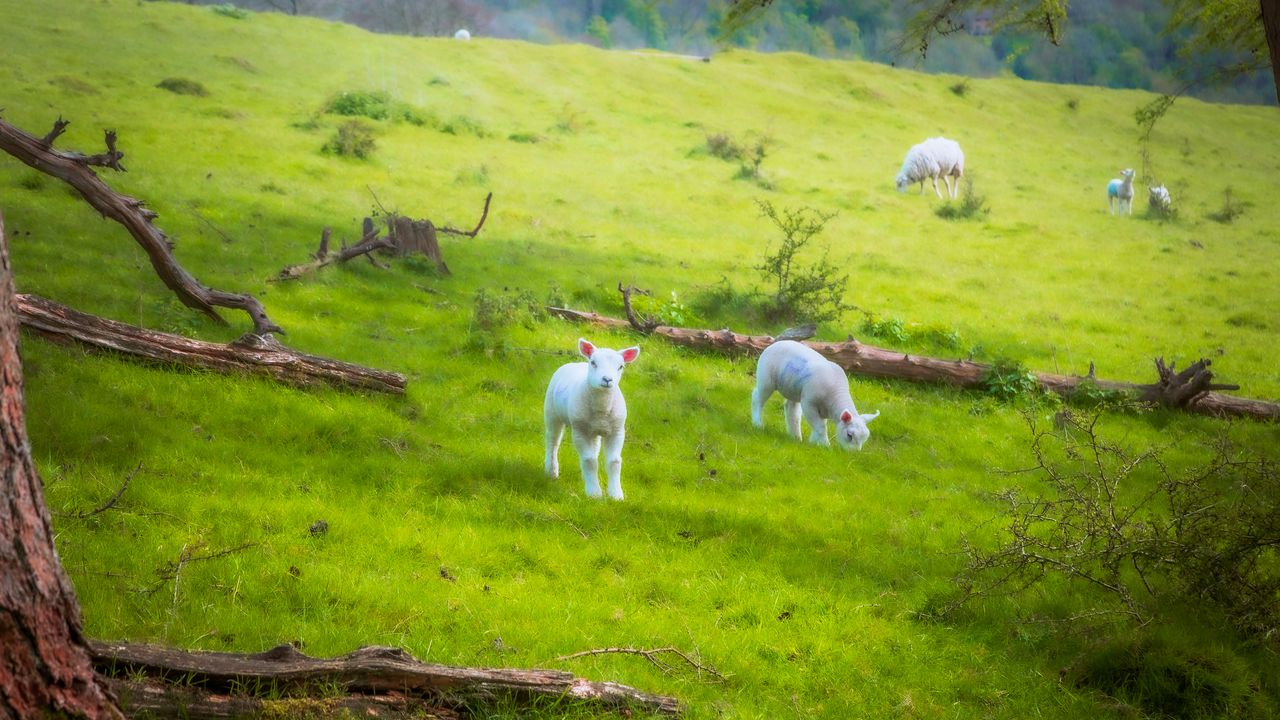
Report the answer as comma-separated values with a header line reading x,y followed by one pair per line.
x,y
323,257
44,662
254,354
410,236
73,169
372,670
1192,392
162,701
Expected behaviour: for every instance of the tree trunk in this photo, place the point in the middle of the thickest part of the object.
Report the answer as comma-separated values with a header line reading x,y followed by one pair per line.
x,y
44,661
1190,390
1271,29
251,354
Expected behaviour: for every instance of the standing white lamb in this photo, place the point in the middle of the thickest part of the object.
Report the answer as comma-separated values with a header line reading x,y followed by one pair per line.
x,y
930,159
1120,192
585,396
814,386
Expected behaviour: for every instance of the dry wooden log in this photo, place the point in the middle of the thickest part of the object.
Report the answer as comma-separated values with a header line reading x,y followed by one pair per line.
x,y
255,354
1190,390
73,169
322,257
162,701
371,671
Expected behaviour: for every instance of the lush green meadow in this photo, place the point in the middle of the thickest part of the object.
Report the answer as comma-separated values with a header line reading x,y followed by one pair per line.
x,y
795,571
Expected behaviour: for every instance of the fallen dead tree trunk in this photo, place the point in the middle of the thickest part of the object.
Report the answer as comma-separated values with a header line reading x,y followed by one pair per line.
x,y
1190,390
74,169
162,701
253,354
371,672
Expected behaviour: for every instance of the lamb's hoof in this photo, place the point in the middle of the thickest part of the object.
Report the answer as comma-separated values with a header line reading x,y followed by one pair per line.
x,y
617,497
594,493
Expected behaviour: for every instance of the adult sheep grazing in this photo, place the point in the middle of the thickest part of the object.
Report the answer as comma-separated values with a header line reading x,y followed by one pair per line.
x,y
1120,192
812,385
585,397
1159,200
931,159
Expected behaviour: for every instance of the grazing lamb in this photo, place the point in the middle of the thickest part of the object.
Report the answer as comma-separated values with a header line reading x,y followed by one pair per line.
x,y
462,34
1159,200
585,396
1120,192
930,159
813,385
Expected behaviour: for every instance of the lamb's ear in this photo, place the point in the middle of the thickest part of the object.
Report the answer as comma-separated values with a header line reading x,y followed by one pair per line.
x,y
846,416
585,348
870,416
630,354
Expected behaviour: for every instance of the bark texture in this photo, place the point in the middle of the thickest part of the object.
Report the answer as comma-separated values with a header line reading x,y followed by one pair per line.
x,y
74,169
252,354
44,661
1271,29
373,671
1191,390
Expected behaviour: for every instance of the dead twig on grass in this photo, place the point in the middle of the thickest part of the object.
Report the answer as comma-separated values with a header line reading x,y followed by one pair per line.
x,y
111,501
653,655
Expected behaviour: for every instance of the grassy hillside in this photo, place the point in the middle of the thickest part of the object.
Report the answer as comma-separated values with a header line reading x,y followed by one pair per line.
x,y
794,570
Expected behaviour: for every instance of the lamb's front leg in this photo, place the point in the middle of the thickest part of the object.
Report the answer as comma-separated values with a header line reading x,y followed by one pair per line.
x,y
613,463
588,447
818,426
935,187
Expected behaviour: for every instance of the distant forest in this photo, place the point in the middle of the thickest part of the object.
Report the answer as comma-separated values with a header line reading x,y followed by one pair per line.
x,y
1112,43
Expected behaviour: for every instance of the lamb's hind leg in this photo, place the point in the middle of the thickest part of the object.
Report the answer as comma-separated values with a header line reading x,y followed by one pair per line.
x,y
763,390
555,432
935,187
792,411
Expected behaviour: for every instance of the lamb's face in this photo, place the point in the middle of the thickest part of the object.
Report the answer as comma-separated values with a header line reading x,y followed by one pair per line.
x,y
1127,174
902,182
605,366
851,429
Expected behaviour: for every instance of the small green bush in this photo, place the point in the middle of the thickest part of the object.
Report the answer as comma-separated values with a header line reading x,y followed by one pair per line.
x,y
525,137
961,88
1230,210
377,105
971,205
231,11
1009,380
464,125
812,292
353,139
672,313
182,86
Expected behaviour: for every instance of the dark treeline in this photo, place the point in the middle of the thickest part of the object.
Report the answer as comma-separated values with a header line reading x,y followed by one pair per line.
x,y
1112,43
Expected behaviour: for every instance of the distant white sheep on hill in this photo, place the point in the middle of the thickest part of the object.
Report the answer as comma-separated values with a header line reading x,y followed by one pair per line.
x,y
1120,192
930,159
813,386
585,397
462,34
1159,200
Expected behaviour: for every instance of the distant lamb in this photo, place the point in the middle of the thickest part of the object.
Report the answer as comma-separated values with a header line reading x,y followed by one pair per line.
x,y
1120,192
1158,199
585,396
812,385
462,34
930,159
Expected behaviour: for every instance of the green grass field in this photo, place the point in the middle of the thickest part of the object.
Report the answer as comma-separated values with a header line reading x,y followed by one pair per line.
x,y
795,571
